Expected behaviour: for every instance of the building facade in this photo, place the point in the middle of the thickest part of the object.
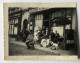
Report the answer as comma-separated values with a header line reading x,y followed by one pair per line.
x,y
18,19
15,17
62,20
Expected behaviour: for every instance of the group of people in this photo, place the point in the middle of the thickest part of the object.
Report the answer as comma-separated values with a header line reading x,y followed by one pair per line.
x,y
29,38
50,39
45,38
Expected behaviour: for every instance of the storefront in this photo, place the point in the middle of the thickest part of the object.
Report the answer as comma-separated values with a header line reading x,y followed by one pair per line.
x,y
57,19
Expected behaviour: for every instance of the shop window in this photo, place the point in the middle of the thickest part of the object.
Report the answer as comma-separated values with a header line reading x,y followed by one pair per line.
x,y
54,24
30,25
59,14
16,21
10,22
35,17
52,15
55,14
39,17
12,26
59,30
70,41
38,23
15,30
68,13
10,29
68,10
62,13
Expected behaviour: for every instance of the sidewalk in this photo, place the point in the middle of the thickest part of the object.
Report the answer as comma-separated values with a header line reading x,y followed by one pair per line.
x,y
47,50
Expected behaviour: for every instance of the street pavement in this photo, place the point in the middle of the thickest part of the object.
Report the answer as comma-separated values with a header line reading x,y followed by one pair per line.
x,y
20,48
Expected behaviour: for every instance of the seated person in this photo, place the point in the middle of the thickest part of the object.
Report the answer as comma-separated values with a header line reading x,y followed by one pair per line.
x,y
56,39
54,46
30,42
44,42
52,35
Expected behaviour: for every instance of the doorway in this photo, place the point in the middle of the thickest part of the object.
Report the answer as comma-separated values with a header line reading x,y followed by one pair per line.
x,y
25,23
45,22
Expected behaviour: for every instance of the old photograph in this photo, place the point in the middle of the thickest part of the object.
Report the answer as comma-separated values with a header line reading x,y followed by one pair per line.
x,y
42,31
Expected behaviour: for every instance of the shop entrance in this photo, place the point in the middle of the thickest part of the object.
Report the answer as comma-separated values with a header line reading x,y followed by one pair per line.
x,y
46,23
25,24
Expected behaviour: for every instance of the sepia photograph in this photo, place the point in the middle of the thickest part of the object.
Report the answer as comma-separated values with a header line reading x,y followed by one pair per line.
x,y
42,31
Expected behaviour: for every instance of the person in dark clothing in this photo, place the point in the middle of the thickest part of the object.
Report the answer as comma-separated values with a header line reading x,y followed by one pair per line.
x,y
21,35
42,34
25,31
70,34
25,34
30,42
56,37
52,36
39,36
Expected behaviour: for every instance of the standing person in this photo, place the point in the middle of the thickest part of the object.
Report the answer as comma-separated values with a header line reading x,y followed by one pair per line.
x,y
25,34
36,33
39,36
20,34
42,37
47,33
56,37
42,34
25,31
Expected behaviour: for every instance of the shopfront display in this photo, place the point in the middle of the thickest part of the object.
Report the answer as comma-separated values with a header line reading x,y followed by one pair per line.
x,y
59,30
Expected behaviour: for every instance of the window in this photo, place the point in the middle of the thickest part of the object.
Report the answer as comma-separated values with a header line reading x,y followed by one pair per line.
x,y
59,14
39,17
68,13
10,29
62,13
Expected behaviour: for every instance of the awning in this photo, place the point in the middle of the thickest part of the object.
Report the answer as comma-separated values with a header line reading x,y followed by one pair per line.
x,y
47,11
